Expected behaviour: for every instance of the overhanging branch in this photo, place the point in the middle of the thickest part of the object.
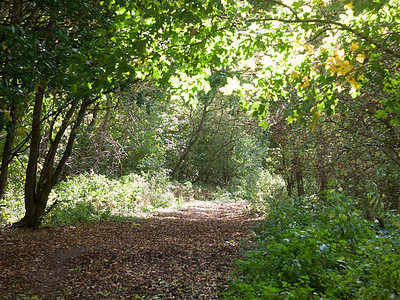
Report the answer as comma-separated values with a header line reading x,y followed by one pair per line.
x,y
326,22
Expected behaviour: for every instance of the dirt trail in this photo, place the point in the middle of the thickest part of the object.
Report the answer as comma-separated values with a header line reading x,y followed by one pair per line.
x,y
184,254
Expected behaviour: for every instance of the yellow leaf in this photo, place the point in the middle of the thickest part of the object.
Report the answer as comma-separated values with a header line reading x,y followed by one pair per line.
x,y
7,116
295,74
360,57
338,59
349,6
310,49
354,84
344,68
354,46
37,86
69,20
313,109
338,66
329,61
306,82
333,70
4,47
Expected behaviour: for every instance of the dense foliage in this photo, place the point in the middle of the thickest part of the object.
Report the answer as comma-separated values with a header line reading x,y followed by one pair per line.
x,y
60,58
112,107
311,250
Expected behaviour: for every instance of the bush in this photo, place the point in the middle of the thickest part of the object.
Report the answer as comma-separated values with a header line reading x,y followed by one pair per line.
x,y
259,187
91,197
12,204
308,250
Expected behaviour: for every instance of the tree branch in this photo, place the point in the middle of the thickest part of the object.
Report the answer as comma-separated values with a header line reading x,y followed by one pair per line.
x,y
327,22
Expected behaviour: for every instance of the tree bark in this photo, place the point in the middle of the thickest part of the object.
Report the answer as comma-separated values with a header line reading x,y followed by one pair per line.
x,y
34,207
102,132
286,171
50,175
289,184
322,172
37,191
298,173
16,15
7,151
322,183
191,142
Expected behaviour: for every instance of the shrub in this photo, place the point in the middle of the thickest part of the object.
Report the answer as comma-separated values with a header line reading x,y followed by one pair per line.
x,y
260,188
308,250
91,197
11,205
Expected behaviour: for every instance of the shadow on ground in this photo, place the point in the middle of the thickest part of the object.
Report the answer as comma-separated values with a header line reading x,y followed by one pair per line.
x,y
184,254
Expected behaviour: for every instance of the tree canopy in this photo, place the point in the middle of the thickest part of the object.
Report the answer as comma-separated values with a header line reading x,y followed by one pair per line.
x,y
60,57
313,53
306,61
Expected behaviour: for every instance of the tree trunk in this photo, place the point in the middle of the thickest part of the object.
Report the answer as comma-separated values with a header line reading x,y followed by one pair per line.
x,y
323,184
34,207
37,192
322,173
191,142
7,151
49,177
299,177
102,133
289,184
286,171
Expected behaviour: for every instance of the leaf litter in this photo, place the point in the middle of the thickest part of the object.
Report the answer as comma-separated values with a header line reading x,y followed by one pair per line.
x,y
181,254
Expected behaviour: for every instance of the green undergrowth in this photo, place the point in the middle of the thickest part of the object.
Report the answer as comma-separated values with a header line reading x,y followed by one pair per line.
x,y
305,249
91,197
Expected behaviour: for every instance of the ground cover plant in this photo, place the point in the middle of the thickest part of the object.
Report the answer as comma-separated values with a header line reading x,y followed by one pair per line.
x,y
306,249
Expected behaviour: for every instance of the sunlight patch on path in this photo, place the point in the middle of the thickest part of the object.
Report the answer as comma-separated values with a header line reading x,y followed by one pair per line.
x,y
184,253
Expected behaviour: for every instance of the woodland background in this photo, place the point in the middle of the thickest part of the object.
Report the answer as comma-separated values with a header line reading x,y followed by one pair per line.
x,y
108,108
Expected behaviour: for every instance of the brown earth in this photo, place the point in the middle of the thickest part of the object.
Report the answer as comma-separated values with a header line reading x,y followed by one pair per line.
x,y
184,254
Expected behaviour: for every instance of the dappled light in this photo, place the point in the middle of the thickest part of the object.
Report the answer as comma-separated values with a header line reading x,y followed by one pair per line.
x,y
184,253
141,140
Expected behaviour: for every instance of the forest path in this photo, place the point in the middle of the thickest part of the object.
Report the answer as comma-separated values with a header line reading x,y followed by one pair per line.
x,y
183,254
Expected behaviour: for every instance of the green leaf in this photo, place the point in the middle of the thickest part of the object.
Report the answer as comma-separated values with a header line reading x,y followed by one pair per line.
x,y
395,121
189,17
381,114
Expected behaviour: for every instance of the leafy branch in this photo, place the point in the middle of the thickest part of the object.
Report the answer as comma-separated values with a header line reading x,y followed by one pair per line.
x,y
325,22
